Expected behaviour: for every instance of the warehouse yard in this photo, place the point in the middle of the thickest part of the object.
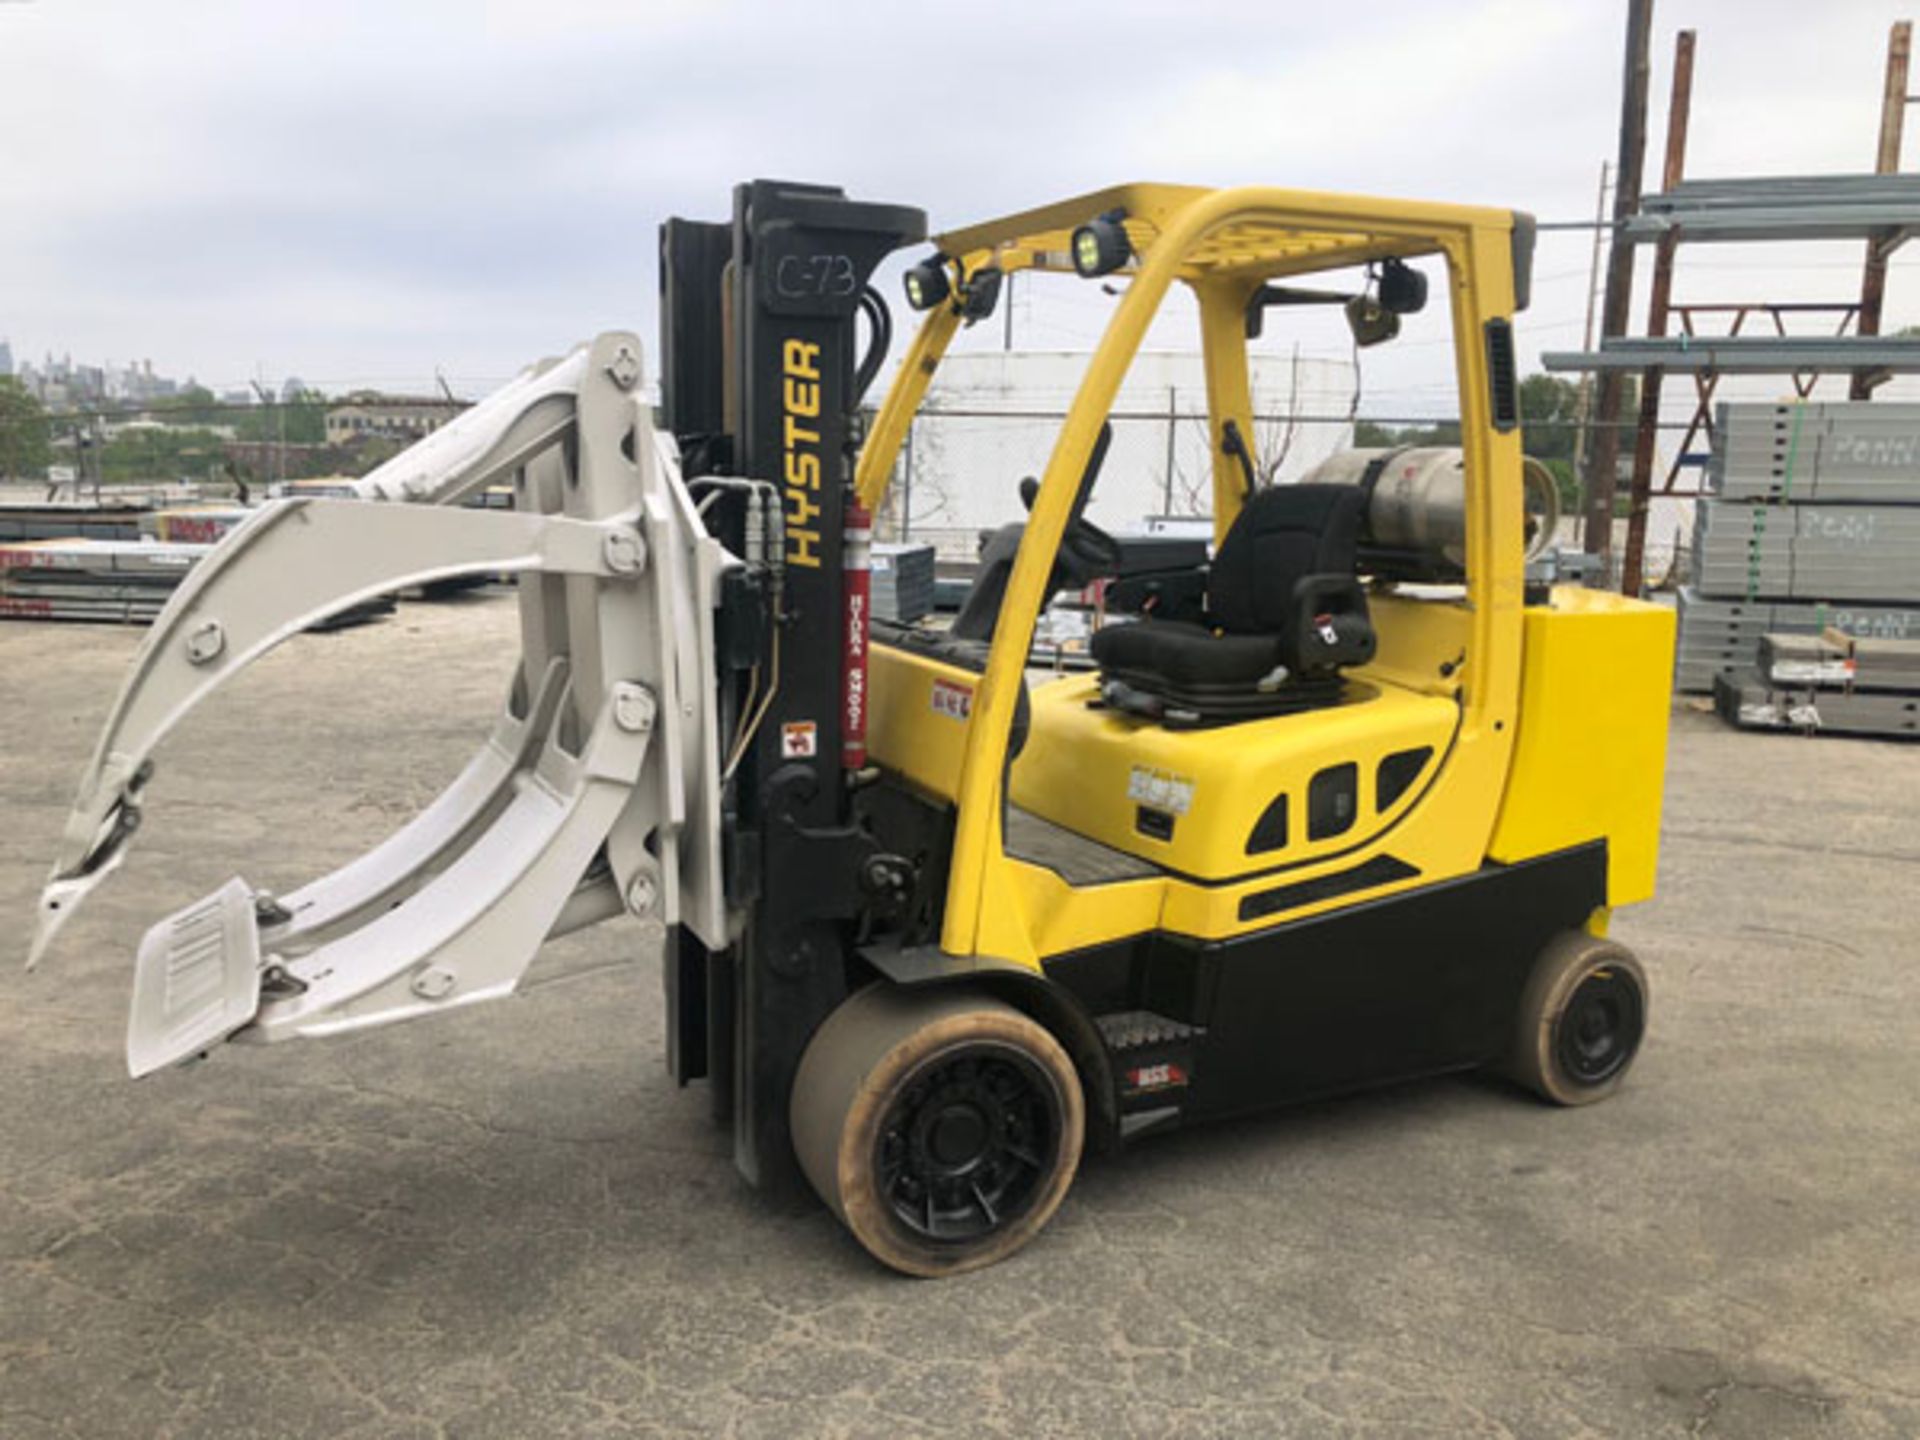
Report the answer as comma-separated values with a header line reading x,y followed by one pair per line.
x,y
509,1222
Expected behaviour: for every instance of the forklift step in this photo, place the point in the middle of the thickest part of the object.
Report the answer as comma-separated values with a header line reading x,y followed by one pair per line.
x,y
1153,1061
1134,1029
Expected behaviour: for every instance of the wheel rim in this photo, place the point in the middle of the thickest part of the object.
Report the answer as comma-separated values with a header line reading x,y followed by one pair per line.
x,y
1600,1028
968,1143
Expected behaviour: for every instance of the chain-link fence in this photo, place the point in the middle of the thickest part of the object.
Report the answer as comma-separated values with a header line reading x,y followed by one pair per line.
x,y
960,468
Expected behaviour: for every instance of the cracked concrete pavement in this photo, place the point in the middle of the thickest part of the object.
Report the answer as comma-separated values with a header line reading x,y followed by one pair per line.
x,y
507,1222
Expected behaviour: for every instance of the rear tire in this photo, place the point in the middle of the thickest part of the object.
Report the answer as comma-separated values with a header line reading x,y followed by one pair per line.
x,y
942,1127
1581,1019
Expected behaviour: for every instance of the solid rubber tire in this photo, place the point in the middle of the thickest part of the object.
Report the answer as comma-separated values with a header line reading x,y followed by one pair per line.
x,y
856,1064
1567,961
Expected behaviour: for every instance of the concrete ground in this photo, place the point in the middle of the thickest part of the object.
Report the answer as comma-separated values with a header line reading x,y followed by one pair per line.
x,y
507,1222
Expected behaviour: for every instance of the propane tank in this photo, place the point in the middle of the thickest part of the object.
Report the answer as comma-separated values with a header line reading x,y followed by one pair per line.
x,y
1417,501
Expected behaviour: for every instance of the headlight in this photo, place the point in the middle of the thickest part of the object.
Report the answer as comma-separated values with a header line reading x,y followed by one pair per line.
x,y
927,284
1100,246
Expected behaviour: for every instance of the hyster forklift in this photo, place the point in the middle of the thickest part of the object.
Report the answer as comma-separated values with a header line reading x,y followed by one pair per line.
x,y
1340,799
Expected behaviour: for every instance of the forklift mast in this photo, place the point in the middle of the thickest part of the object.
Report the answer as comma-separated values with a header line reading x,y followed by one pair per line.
x,y
762,377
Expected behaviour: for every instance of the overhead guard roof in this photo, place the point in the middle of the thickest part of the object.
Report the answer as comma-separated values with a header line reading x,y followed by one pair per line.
x,y
1354,228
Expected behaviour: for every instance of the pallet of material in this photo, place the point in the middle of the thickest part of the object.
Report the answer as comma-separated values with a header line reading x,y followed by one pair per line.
x,y
1748,701
1807,552
101,557
36,585
195,524
903,582
95,610
119,581
1718,636
57,522
1839,662
1825,451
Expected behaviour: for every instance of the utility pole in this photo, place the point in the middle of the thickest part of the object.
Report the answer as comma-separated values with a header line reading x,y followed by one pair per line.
x,y
1173,419
1679,109
1873,281
278,461
1603,467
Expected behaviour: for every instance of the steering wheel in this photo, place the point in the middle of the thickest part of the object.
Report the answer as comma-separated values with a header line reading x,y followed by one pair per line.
x,y
1086,551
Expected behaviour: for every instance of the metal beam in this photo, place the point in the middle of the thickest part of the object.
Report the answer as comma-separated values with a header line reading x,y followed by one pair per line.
x,y
1743,354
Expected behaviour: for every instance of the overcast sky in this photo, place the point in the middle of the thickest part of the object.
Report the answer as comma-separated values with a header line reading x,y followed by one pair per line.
x,y
365,193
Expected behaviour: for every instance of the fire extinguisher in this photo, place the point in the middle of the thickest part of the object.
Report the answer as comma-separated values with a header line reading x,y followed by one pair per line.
x,y
857,553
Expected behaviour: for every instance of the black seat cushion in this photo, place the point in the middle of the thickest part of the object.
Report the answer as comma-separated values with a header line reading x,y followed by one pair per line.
x,y
1186,654
1283,534
1284,612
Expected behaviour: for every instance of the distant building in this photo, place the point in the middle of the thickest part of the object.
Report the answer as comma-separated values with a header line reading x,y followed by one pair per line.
x,y
367,415
6,358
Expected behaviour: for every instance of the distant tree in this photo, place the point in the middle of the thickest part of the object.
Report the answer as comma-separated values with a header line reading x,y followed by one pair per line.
x,y
1372,435
307,418
160,453
298,420
1549,409
25,445
374,452
193,405
1549,429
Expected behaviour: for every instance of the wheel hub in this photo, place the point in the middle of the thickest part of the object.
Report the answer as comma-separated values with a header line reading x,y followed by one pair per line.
x,y
957,1137
1601,1026
968,1143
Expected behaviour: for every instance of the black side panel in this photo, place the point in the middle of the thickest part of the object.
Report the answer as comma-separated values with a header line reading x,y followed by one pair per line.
x,y
1418,983
1414,984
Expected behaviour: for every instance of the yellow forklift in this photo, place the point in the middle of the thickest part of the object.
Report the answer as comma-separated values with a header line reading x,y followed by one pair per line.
x,y
1340,799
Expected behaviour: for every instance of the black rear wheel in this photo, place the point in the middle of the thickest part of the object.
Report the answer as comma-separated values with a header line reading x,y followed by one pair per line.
x,y
1581,1020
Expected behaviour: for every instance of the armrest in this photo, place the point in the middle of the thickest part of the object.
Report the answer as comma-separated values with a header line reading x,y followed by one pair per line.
x,y
1331,627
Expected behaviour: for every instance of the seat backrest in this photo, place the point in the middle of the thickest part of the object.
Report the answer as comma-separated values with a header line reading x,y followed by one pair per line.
x,y
1283,533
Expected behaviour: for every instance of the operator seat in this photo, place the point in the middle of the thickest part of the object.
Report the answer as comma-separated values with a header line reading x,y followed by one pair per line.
x,y
1284,612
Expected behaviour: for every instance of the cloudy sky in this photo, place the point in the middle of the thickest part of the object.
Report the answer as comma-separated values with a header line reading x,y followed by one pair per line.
x,y
370,192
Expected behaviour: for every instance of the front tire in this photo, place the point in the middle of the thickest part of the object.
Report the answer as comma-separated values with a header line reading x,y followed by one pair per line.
x,y
1582,1017
942,1127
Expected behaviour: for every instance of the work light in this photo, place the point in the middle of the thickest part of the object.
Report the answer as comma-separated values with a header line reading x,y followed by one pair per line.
x,y
1100,246
927,284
